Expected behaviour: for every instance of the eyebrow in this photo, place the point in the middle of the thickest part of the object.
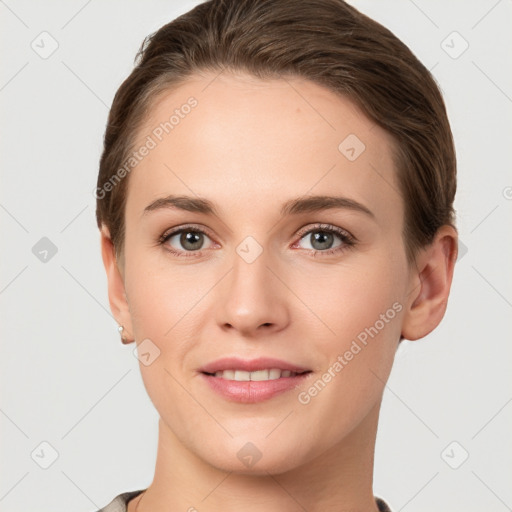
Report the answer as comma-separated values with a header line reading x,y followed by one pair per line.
x,y
306,204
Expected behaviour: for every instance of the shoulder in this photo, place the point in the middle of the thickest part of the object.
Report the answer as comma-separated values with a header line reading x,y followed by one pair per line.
x,y
120,502
383,506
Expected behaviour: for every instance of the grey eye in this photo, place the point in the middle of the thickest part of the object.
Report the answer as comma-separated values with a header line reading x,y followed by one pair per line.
x,y
321,240
189,240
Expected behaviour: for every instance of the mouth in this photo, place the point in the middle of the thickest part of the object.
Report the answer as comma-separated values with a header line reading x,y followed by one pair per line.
x,y
238,380
252,366
255,376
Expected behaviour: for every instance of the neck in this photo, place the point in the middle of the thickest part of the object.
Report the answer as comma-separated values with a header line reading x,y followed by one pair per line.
x,y
341,478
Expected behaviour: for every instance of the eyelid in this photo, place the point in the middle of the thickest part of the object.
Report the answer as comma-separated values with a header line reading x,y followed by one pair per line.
x,y
178,253
191,227
328,227
303,231
348,240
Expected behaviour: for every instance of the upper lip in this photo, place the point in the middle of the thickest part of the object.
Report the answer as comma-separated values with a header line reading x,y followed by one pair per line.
x,y
251,365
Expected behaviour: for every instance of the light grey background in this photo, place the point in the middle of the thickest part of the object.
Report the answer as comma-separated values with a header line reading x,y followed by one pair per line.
x,y
65,377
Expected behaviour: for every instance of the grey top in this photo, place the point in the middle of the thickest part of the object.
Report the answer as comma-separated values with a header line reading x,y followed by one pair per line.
x,y
119,503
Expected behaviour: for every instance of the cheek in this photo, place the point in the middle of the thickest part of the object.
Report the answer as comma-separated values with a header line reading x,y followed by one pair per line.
x,y
361,311
347,301
164,309
161,296
361,323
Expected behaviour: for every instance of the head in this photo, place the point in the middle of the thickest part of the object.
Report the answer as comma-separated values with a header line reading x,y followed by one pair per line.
x,y
262,112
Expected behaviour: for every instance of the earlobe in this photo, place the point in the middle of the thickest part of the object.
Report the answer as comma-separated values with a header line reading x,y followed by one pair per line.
x,y
430,285
116,289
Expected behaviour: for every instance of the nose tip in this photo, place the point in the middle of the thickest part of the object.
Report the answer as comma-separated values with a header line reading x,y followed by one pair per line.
x,y
254,299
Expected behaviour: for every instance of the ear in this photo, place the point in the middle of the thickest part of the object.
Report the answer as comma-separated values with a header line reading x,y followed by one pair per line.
x,y
430,283
116,291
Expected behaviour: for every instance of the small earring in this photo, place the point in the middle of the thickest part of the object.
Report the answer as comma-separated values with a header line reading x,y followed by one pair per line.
x,y
123,339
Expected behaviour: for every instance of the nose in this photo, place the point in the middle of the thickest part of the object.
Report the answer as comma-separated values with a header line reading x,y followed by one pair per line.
x,y
253,297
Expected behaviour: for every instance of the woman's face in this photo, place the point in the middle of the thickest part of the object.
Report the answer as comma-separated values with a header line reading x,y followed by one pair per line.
x,y
321,284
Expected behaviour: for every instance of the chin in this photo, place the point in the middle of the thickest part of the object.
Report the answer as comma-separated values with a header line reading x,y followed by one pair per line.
x,y
258,458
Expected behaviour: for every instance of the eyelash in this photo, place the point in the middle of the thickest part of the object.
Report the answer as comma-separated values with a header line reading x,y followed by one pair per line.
x,y
347,239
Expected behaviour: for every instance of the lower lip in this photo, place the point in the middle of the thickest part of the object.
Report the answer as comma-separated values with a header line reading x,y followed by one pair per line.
x,y
253,391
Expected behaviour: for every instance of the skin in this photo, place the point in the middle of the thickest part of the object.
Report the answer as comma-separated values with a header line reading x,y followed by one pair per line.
x,y
249,146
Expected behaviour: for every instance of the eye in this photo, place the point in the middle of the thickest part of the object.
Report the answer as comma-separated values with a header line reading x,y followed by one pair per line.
x,y
322,239
188,239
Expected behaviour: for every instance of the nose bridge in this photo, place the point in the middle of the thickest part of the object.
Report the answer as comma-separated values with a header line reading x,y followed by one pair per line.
x,y
253,296
250,266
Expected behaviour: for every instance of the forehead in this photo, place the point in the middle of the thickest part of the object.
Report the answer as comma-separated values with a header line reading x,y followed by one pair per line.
x,y
237,136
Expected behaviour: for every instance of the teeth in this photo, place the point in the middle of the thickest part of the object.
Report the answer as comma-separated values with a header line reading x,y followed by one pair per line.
x,y
229,374
259,375
240,375
274,374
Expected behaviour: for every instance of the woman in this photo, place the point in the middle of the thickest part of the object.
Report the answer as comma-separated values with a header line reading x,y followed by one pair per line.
x,y
275,200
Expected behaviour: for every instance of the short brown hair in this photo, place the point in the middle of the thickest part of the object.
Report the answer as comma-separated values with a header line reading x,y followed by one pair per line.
x,y
326,41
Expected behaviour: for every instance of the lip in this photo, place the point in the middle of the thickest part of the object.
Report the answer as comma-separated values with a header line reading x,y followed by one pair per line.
x,y
252,365
253,391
